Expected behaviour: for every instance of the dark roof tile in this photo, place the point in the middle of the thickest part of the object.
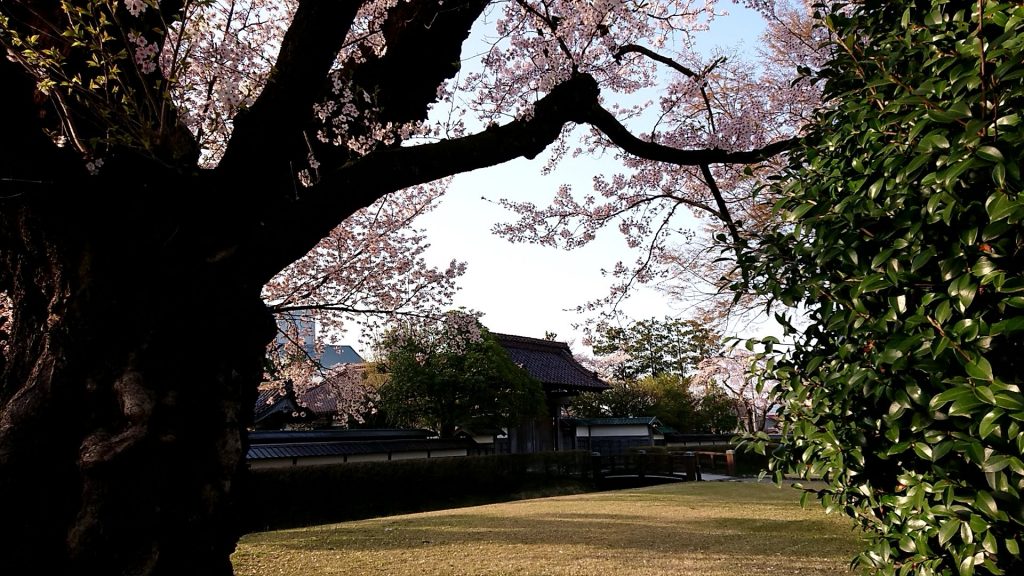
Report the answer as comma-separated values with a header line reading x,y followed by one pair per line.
x,y
551,363
323,449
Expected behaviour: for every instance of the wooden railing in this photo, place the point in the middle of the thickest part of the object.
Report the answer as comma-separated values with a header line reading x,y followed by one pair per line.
x,y
688,465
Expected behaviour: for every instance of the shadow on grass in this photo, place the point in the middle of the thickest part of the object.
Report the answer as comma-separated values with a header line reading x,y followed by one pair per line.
x,y
728,521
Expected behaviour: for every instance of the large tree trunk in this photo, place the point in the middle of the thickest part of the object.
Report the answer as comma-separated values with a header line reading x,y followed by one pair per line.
x,y
130,372
137,337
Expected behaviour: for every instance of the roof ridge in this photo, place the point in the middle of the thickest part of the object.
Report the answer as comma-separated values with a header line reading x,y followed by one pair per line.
x,y
549,361
530,340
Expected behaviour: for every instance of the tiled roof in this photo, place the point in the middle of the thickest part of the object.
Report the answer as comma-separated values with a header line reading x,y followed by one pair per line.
x,y
551,363
349,448
319,399
262,437
278,401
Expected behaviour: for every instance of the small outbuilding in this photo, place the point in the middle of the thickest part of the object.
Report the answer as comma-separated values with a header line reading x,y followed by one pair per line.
x,y
613,436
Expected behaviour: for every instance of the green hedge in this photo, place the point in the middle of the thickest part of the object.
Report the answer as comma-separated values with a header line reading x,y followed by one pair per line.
x,y
307,495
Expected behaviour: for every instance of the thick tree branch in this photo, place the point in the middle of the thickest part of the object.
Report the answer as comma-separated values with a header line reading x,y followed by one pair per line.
x,y
424,49
604,121
274,123
293,232
402,83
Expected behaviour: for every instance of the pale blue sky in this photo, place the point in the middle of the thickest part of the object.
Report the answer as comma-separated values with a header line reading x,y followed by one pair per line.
x,y
526,289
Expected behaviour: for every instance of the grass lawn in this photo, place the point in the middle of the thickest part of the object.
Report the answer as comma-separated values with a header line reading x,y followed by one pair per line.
x,y
693,528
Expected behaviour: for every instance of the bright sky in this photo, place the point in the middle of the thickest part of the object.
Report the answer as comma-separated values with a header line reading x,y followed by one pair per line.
x,y
525,289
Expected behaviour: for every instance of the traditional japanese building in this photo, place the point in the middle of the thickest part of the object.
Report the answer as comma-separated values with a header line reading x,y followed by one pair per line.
x,y
562,376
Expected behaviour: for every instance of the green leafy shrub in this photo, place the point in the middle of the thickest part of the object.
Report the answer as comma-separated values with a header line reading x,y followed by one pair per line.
x,y
903,245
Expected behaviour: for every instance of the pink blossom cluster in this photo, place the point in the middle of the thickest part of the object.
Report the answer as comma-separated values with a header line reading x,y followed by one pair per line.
x,y
735,375
351,120
6,316
145,52
370,268
450,333
217,58
137,7
539,43
667,213
345,392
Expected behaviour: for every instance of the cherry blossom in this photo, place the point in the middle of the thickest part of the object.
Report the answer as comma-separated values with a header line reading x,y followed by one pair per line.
x,y
370,269
732,372
725,101
153,193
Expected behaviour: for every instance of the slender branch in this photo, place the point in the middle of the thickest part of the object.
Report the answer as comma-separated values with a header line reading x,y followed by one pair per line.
x,y
725,216
552,25
723,210
704,92
35,163
634,277
630,48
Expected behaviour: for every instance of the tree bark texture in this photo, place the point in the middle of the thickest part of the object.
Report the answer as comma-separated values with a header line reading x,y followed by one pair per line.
x,y
130,376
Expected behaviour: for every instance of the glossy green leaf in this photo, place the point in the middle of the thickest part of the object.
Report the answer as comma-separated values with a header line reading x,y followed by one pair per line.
x,y
990,153
979,368
947,530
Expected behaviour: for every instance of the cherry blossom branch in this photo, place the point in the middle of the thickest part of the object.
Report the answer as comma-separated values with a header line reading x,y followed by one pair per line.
x,y
723,212
552,25
424,45
645,265
636,48
700,76
354,310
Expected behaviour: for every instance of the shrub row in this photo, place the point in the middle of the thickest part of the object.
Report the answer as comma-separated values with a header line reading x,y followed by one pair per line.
x,y
307,495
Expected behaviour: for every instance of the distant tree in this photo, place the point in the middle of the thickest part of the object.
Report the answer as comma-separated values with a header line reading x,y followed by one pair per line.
x,y
716,412
655,347
735,375
674,404
666,398
440,374
625,399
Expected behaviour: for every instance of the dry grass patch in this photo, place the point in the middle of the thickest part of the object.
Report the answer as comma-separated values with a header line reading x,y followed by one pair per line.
x,y
704,528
